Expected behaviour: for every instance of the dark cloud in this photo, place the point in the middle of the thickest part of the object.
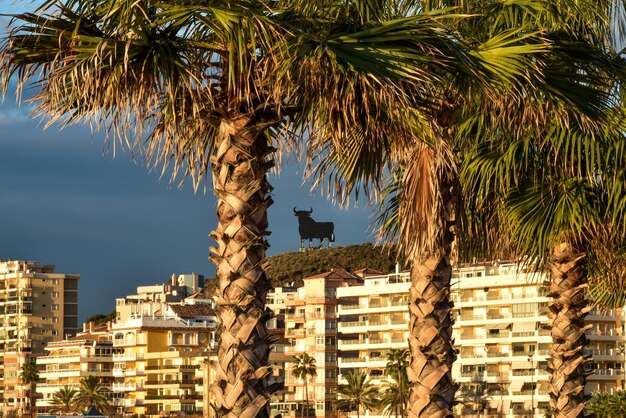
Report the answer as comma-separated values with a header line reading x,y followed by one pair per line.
x,y
63,201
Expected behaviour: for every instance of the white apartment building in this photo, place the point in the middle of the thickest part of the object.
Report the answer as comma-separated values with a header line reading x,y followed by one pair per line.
x,y
501,331
89,353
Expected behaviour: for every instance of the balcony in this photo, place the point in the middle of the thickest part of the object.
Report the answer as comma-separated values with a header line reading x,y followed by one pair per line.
x,y
602,374
498,335
73,358
127,356
294,332
351,307
294,316
343,325
126,387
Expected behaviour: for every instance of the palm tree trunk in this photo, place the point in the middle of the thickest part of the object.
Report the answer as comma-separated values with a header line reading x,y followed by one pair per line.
x,y
239,179
430,340
306,396
568,310
31,395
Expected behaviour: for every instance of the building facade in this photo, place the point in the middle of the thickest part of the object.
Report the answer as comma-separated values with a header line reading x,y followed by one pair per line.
x,y
501,331
310,320
503,334
37,306
67,362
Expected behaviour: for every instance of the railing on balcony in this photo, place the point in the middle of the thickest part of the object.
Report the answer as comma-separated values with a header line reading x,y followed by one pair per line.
x,y
353,324
353,359
499,335
294,332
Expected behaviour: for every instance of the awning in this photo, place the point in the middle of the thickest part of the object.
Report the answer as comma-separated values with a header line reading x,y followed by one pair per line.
x,y
516,385
522,365
524,326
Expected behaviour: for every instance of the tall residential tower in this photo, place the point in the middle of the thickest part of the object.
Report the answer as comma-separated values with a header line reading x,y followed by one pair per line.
x,y
37,306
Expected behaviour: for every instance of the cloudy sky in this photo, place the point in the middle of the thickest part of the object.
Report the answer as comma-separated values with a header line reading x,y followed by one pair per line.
x,y
65,201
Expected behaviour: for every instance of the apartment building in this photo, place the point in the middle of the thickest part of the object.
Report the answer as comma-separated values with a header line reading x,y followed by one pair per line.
x,y
503,334
37,306
310,318
150,298
501,331
67,362
282,402
160,367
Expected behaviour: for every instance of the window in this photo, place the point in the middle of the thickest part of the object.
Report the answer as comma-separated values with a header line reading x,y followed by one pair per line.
x,y
55,320
55,294
55,307
55,332
55,281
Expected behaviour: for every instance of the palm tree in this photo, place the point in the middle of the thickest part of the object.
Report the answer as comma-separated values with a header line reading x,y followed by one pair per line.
x,y
562,217
63,400
203,87
424,206
356,393
91,393
30,376
472,396
397,363
394,397
304,367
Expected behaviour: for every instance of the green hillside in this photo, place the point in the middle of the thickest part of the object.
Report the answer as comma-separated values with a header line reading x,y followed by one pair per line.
x,y
293,267
290,268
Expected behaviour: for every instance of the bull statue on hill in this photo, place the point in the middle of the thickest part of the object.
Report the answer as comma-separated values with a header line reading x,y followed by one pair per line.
x,y
310,229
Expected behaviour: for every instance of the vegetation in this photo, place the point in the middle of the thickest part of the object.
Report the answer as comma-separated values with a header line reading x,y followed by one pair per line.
x,y
557,197
288,269
357,393
101,318
90,394
429,190
215,88
303,368
30,376
219,86
63,400
608,405
394,397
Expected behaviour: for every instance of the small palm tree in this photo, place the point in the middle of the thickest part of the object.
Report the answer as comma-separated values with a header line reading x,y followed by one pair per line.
x,y
397,363
63,400
472,396
357,393
91,393
30,376
394,398
303,368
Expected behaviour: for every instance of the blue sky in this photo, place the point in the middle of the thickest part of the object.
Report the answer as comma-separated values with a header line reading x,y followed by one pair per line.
x,y
65,201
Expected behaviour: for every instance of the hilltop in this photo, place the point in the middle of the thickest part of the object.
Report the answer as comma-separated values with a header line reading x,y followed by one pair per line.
x,y
291,268
288,269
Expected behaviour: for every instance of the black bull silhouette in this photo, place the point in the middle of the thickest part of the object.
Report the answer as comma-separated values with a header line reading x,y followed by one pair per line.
x,y
310,229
